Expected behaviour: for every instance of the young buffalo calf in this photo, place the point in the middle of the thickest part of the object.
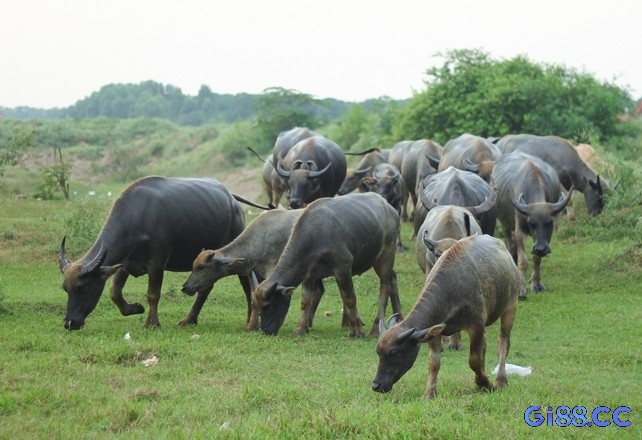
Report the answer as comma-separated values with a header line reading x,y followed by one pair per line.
x,y
473,284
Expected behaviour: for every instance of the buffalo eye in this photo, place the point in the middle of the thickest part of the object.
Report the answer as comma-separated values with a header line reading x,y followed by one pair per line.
x,y
201,266
393,353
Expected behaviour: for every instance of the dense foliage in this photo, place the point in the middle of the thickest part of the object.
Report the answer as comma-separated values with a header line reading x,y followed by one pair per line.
x,y
150,99
473,93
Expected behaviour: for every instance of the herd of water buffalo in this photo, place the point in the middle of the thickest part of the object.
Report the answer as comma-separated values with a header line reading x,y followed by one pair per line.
x,y
457,194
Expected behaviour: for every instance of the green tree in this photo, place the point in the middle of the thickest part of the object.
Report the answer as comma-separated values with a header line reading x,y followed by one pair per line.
x,y
280,109
473,93
10,150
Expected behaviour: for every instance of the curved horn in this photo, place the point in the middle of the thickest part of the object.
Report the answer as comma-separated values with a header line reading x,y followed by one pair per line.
x,y
62,256
318,173
470,166
96,263
281,171
520,205
561,204
486,205
433,161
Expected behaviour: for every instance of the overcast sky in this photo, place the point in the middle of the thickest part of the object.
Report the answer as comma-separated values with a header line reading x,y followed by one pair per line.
x,y
55,52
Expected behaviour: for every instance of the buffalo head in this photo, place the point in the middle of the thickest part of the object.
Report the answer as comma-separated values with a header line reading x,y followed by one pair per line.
x,y
398,348
302,182
594,195
352,180
84,283
207,269
273,303
540,218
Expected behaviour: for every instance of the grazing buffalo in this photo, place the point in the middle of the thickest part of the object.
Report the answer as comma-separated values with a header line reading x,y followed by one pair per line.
x,y
284,143
416,166
257,249
371,158
562,156
315,167
471,153
387,182
443,226
460,188
529,198
156,224
340,237
473,284
395,158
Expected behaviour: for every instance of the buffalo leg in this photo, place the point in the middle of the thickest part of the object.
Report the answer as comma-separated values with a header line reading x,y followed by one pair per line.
x,y
503,344
316,299
344,282
154,284
192,316
247,289
387,289
477,357
454,342
536,277
307,299
116,295
434,363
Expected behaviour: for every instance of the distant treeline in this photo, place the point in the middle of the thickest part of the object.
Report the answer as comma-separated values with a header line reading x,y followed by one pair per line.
x,y
150,99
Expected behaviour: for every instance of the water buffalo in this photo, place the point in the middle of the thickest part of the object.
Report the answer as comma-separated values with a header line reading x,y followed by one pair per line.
x,y
471,153
387,182
460,188
340,237
416,166
285,141
473,284
529,198
371,158
315,167
257,249
156,224
443,226
395,158
562,156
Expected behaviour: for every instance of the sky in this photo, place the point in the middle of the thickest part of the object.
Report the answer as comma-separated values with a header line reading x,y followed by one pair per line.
x,y
56,52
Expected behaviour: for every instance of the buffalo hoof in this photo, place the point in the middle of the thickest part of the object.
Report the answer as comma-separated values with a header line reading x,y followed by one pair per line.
x,y
152,324
188,321
356,334
523,294
455,347
133,309
537,287
301,331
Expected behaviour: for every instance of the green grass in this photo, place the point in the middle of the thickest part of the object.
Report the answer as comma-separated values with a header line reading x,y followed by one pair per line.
x,y
214,380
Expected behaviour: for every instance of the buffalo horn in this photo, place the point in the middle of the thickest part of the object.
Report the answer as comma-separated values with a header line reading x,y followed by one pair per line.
x,y
62,256
281,171
428,204
318,173
96,263
520,205
561,204
470,166
486,205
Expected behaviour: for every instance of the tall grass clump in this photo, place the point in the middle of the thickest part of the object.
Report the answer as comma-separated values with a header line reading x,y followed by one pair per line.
x,y
83,219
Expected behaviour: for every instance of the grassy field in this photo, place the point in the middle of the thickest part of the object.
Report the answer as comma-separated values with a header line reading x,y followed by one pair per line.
x,y
214,380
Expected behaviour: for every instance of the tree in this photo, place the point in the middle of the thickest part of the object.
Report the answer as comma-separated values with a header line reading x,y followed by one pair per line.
x,y
56,177
473,93
280,109
10,152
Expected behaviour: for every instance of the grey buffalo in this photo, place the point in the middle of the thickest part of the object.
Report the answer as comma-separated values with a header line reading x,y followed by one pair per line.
x,y
285,141
529,198
387,182
256,250
473,284
471,153
340,237
156,224
371,158
416,166
315,167
460,188
563,157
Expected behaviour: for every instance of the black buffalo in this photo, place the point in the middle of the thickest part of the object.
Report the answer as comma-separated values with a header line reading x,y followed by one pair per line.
x,y
156,224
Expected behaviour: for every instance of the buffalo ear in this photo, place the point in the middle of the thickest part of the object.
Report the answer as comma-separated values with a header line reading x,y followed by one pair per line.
x,y
433,331
394,319
107,271
209,257
233,262
285,291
